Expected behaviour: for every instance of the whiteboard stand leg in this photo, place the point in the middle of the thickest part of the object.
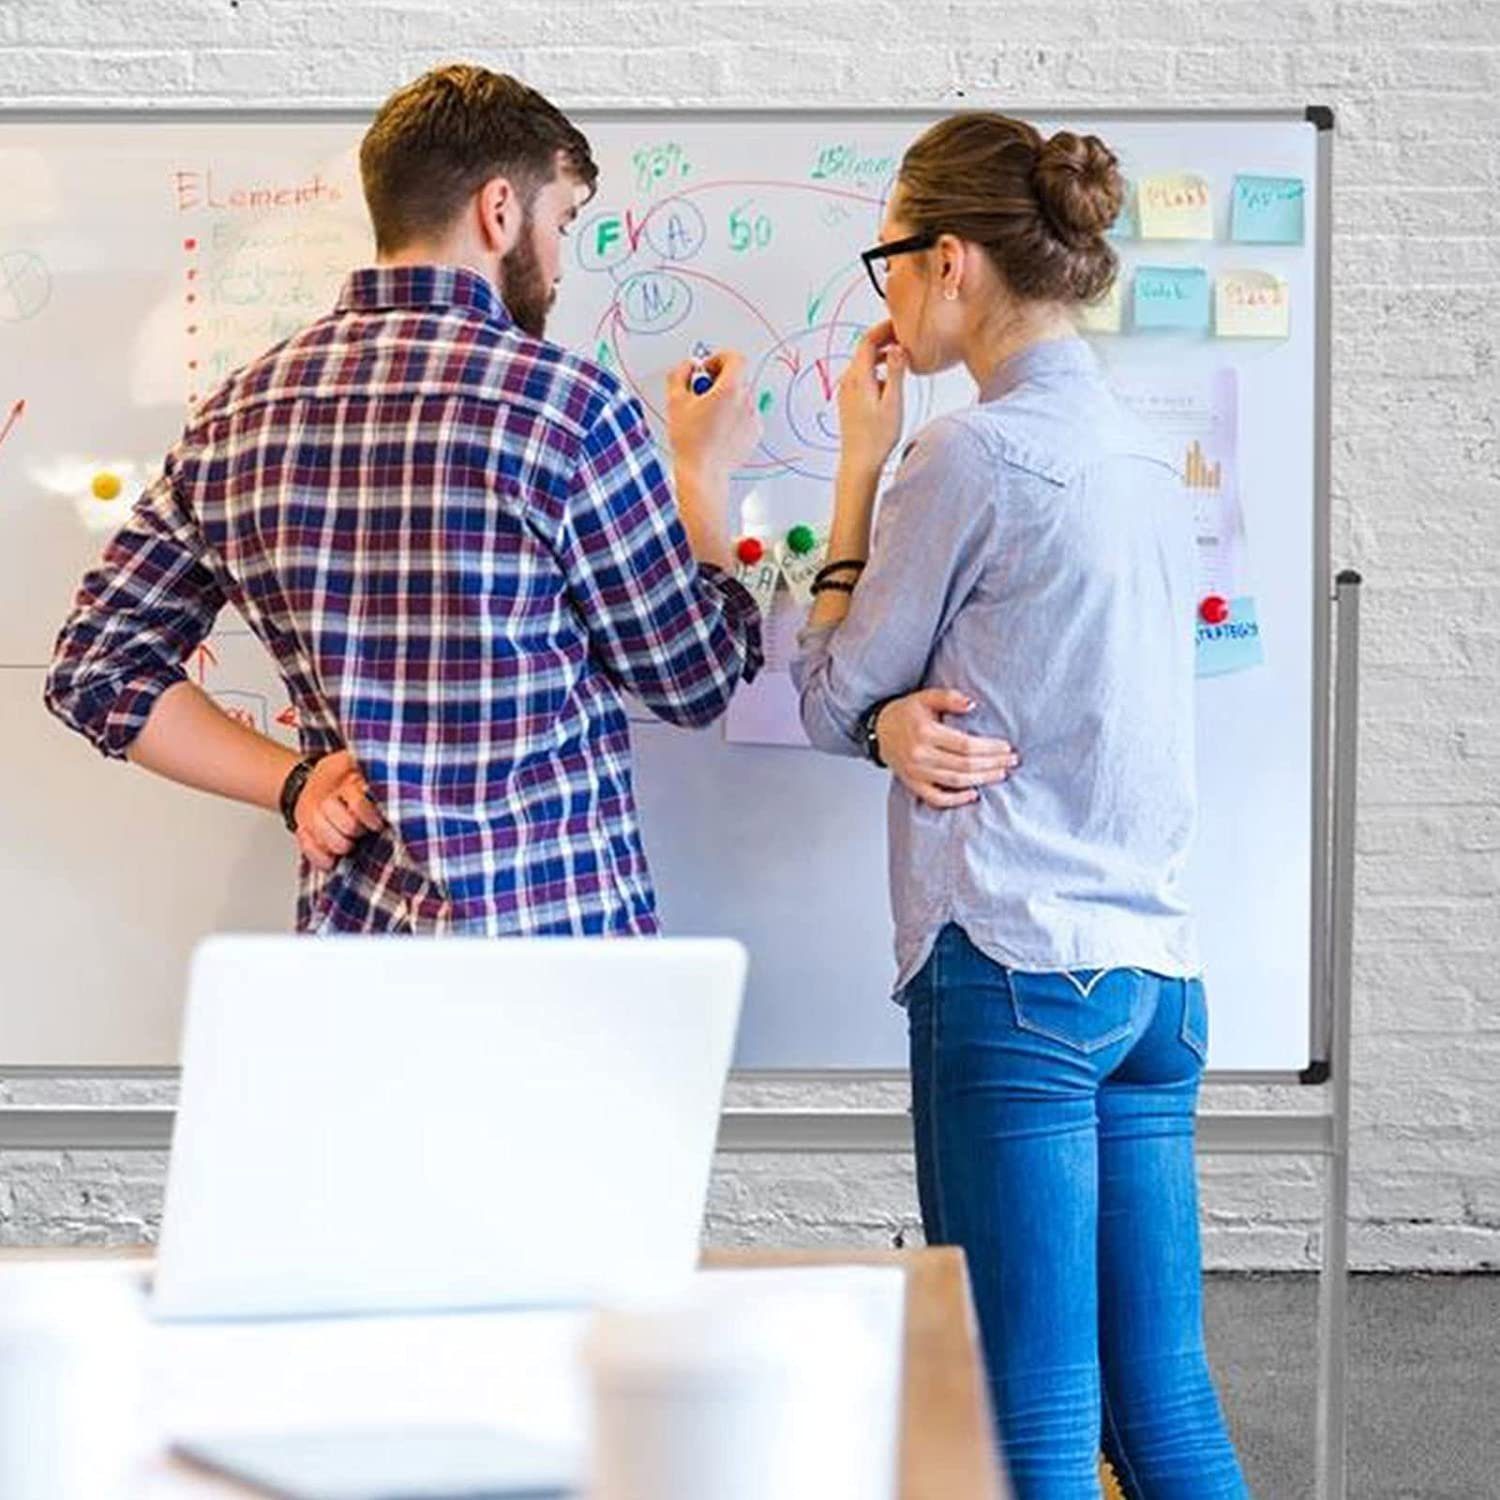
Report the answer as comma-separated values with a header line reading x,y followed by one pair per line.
x,y
1333,1282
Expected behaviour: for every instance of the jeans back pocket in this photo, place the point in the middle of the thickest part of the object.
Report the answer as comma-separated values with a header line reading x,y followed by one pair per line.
x,y
1194,1032
1084,1009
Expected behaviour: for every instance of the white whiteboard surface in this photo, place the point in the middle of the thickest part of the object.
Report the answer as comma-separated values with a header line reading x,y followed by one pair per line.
x,y
108,226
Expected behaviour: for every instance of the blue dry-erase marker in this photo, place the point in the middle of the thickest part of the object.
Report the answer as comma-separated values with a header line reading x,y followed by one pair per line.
x,y
701,381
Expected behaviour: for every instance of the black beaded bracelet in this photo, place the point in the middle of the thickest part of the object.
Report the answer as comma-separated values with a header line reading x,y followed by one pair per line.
x,y
291,791
831,585
838,567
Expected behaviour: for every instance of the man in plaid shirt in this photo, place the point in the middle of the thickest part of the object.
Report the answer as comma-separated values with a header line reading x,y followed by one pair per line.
x,y
458,543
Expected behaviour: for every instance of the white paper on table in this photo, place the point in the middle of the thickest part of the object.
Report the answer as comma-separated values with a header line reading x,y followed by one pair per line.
x,y
518,1370
513,1370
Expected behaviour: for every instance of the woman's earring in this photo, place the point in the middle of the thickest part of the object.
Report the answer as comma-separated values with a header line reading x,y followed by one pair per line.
x,y
950,294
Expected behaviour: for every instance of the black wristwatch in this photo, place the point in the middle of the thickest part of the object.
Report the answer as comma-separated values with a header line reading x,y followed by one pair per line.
x,y
291,791
869,732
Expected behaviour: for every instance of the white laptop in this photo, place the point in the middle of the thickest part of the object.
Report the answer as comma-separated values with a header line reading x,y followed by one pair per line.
x,y
401,1123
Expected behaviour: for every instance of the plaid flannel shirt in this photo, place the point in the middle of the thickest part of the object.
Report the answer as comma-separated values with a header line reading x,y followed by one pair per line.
x,y
459,546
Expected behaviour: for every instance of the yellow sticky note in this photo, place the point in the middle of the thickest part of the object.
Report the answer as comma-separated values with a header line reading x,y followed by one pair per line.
x,y
1176,206
1252,305
1104,315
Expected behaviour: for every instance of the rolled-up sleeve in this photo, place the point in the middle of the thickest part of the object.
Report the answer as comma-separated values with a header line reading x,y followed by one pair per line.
x,y
932,534
136,618
678,634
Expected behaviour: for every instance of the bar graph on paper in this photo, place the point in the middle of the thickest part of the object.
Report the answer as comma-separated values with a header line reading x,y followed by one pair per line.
x,y
1198,417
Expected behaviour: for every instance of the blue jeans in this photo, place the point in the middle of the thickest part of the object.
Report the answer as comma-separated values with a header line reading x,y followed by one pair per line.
x,y
1054,1132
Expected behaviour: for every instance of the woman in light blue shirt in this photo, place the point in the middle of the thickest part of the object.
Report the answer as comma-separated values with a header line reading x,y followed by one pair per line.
x,y
1033,560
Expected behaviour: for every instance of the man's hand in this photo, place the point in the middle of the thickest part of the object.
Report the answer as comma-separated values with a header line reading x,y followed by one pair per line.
x,y
940,766
334,811
712,434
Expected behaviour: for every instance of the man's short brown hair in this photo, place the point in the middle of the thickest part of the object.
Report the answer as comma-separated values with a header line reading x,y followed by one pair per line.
x,y
434,142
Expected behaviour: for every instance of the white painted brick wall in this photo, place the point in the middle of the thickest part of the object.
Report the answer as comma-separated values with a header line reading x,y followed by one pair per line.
x,y
1416,480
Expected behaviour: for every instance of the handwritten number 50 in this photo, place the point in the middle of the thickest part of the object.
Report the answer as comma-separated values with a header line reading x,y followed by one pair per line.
x,y
747,232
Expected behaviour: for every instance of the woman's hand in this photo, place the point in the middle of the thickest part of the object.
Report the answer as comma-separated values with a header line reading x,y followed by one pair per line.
x,y
334,811
940,766
870,399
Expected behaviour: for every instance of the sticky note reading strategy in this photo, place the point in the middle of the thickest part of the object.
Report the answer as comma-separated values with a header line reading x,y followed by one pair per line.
x,y
1171,297
1252,305
1267,210
1178,206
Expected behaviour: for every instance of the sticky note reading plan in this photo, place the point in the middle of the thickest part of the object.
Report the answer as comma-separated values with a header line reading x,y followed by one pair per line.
x,y
1252,305
1171,297
1177,206
1103,316
1267,210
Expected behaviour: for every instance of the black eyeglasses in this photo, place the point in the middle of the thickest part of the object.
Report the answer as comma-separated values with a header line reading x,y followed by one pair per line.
x,y
876,256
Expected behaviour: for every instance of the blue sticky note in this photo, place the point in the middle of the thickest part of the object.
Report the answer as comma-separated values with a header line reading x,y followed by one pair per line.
x,y
1267,210
1232,646
1171,297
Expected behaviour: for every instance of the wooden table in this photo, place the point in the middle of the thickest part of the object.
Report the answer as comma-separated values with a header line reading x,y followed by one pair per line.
x,y
947,1444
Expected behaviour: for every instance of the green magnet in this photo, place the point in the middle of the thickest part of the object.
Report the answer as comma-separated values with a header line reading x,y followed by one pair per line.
x,y
766,398
801,540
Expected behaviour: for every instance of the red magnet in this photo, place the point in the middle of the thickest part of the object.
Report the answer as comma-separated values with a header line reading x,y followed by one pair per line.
x,y
1214,610
750,550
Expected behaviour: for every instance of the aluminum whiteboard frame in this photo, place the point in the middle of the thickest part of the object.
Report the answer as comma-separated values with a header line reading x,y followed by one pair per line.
x,y
1318,117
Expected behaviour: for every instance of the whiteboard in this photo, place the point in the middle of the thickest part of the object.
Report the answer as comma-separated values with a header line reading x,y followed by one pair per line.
x,y
142,258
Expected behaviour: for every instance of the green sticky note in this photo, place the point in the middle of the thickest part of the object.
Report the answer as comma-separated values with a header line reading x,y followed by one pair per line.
x,y
1267,210
1171,297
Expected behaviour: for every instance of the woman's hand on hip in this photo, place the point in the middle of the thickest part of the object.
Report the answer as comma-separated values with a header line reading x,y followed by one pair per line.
x,y
937,764
870,399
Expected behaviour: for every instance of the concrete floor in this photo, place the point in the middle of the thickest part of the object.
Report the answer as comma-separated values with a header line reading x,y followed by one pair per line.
x,y
1424,1393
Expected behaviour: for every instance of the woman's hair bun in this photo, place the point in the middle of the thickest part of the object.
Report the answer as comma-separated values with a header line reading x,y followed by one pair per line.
x,y
1038,207
1078,186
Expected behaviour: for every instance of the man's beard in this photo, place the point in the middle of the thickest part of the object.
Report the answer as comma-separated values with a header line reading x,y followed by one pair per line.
x,y
527,293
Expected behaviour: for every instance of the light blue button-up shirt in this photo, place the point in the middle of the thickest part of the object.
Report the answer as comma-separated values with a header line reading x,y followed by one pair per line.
x,y
1034,552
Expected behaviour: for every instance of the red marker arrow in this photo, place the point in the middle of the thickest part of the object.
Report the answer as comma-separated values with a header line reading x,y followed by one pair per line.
x,y
825,377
